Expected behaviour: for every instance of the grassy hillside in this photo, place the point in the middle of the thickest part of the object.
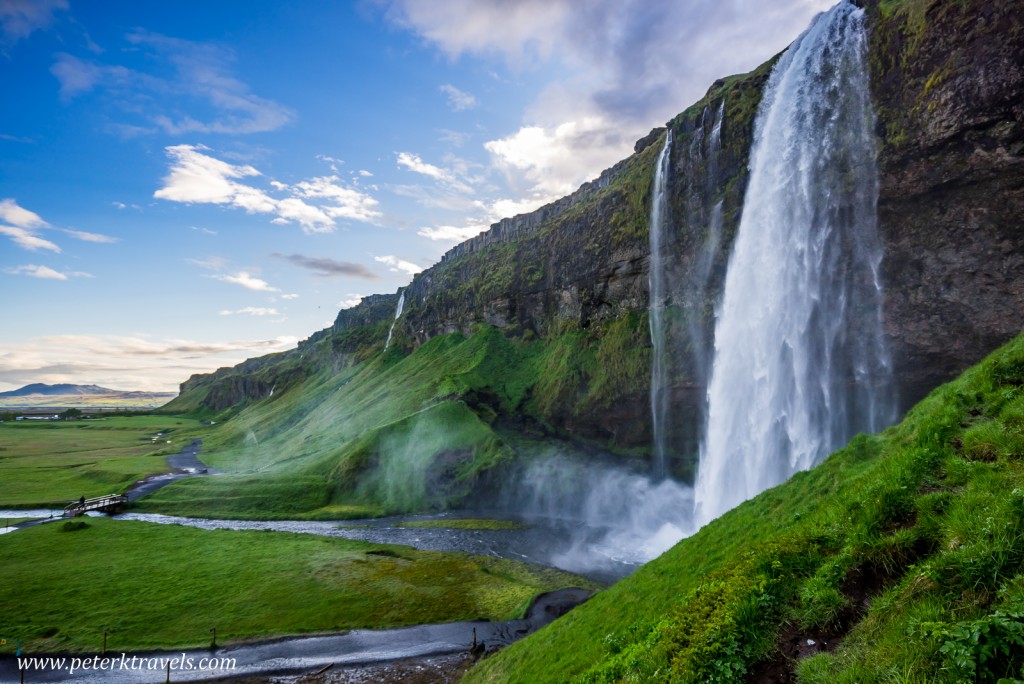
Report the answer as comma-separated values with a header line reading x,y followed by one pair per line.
x,y
898,559
397,433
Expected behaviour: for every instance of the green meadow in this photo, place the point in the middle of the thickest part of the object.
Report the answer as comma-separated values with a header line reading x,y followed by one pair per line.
x,y
165,586
49,463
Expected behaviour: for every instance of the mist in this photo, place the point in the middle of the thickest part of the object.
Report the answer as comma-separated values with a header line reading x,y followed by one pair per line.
x,y
615,516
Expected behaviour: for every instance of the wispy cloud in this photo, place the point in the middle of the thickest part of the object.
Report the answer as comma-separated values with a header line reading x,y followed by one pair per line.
x,y
457,99
201,79
213,263
196,177
20,18
398,265
90,237
247,280
23,227
27,239
251,311
329,268
44,272
414,163
18,216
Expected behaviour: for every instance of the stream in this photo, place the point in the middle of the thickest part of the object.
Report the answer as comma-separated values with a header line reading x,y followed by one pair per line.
x,y
294,655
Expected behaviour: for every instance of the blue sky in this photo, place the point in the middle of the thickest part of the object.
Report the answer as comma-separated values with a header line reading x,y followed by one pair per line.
x,y
184,185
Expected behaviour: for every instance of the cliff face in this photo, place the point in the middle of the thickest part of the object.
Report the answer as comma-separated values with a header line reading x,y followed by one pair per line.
x,y
948,83
948,86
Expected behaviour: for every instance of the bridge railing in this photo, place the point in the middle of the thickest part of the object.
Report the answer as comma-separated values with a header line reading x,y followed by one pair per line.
x,y
94,504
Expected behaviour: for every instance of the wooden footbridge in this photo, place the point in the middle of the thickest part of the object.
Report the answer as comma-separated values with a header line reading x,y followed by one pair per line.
x,y
111,503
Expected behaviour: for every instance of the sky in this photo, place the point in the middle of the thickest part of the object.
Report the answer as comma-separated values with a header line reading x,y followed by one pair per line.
x,y
184,185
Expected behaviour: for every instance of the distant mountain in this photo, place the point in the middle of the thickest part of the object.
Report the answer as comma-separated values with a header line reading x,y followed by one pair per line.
x,y
65,395
61,389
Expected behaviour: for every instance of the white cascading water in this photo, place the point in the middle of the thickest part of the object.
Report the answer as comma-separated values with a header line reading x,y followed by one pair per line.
x,y
704,210
800,363
658,294
398,312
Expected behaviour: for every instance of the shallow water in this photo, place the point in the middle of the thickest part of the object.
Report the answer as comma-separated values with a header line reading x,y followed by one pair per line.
x,y
541,540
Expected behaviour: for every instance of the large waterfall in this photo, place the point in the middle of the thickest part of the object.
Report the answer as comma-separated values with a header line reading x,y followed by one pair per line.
x,y
398,312
658,294
799,363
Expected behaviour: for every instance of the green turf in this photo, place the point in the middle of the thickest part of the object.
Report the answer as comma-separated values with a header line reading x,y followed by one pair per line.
x,y
465,524
164,586
51,463
905,548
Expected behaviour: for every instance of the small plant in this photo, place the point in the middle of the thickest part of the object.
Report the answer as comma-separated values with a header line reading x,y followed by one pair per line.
x,y
983,650
74,526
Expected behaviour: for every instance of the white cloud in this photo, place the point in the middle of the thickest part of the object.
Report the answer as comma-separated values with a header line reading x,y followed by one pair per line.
x,y
18,216
364,173
251,311
452,233
615,72
27,240
346,202
414,163
197,177
509,28
312,219
547,163
44,272
457,99
124,361
289,296
247,281
350,300
398,265
90,237
19,18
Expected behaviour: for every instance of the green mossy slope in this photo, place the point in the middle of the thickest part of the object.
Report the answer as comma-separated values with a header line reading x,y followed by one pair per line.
x,y
400,433
903,552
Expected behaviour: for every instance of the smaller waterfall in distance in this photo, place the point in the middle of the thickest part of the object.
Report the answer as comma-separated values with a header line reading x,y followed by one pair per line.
x,y
703,210
398,312
800,363
658,294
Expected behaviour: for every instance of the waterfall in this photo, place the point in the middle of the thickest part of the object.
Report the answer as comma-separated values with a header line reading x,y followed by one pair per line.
x,y
800,363
659,360
398,312
703,210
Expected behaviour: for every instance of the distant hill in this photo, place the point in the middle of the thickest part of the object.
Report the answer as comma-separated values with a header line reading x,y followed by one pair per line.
x,y
60,389
66,395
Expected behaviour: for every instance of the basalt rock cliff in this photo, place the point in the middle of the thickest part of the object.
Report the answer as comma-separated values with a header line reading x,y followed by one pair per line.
x,y
948,84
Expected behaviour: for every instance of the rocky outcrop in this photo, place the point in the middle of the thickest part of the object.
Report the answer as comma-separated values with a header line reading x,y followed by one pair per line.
x,y
949,92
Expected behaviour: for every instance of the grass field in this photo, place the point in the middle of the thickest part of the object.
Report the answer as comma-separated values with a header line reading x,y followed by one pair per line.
x,y
165,586
52,463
